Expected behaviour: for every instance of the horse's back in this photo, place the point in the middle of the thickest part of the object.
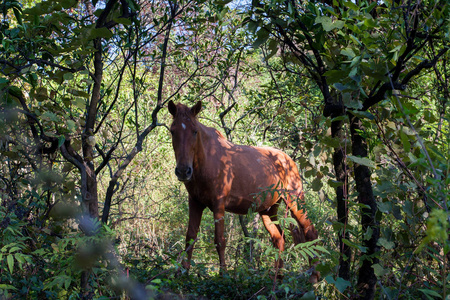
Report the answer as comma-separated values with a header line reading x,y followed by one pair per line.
x,y
259,171
285,168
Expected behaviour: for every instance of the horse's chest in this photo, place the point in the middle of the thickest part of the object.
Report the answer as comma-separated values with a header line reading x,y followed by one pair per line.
x,y
209,186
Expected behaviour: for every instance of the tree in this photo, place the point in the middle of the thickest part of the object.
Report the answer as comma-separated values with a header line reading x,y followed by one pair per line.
x,y
357,54
54,64
83,85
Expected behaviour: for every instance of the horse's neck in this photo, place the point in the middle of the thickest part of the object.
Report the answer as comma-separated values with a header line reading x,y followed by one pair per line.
x,y
209,143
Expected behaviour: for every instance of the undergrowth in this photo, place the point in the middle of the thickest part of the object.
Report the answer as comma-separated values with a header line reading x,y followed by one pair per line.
x,y
239,283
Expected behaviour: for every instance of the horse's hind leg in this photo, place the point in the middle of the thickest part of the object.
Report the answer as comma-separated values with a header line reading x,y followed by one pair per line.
x,y
306,233
297,234
309,232
219,239
269,217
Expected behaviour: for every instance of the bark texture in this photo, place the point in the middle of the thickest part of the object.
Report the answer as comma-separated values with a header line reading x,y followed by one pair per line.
x,y
370,227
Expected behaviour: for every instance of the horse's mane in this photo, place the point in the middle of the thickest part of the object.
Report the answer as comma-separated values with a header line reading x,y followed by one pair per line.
x,y
212,129
219,134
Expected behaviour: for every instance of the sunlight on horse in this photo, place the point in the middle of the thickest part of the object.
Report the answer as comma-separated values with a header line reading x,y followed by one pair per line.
x,y
226,177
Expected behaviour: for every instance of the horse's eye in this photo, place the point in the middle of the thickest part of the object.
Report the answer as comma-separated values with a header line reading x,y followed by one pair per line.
x,y
195,132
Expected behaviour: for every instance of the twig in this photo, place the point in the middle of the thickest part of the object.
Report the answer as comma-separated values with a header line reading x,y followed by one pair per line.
x,y
419,139
259,291
404,167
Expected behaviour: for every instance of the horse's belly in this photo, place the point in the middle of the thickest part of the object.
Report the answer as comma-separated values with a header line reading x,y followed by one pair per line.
x,y
243,206
238,206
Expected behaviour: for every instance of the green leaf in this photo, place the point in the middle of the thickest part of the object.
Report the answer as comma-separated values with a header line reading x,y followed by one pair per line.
x,y
68,76
334,183
355,40
18,15
71,125
379,270
370,23
10,260
13,249
362,114
66,4
351,5
223,2
262,36
102,32
124,21
340,283
7,287
49,116
273,47
328,24
67,282
339,118
362,161
348,52
355,246
354,70
303,254
385,207
20,258
429,116
408,208
316,184
98,12
15,91
61,140
349,101
368,234
79,102
222,14
252,26
79,93
385,243
321,249
134,6
430,294
405,142
334,76
308,296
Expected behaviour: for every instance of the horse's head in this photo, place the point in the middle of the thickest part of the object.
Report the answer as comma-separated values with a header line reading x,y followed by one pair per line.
x,y
184,131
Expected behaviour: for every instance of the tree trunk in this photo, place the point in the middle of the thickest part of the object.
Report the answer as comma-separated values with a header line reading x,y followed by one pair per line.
x,y
370,227
90,199
340,170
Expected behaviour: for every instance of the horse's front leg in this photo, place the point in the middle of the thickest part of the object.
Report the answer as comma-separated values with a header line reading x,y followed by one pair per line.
x,y
219,239
195,217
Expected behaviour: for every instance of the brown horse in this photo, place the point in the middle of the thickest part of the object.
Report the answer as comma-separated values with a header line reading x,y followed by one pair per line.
x,y
226,177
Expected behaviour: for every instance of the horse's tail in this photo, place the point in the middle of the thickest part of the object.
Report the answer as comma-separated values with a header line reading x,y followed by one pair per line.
x,y
308,232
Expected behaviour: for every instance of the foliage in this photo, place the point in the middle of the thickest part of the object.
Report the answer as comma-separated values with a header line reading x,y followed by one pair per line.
x,y
89,204
252,284
38,262
365,59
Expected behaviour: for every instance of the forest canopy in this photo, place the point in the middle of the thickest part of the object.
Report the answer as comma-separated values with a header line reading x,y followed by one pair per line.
x,y
355,92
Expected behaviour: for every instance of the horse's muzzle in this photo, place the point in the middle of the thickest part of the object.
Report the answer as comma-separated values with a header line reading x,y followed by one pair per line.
x,y
184,173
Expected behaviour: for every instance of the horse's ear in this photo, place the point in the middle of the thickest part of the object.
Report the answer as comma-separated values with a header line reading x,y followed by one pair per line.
x,y
172,108
196,108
